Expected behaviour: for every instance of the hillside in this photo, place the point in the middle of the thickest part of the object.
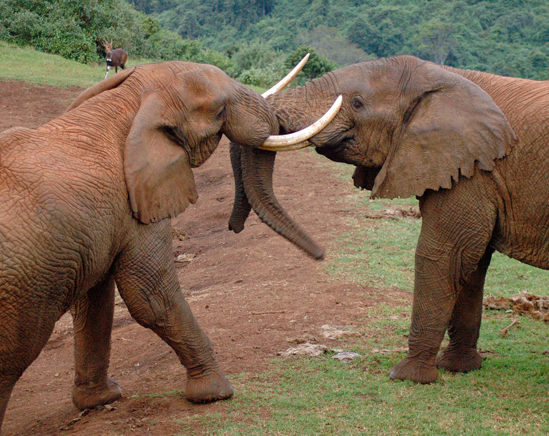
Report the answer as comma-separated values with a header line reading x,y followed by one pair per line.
x,y
507,37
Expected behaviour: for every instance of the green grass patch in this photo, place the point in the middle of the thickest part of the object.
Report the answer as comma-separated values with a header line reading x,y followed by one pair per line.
x,y
28,65
312,396
32,66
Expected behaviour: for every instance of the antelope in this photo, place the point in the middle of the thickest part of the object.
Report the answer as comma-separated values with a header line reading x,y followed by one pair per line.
x,y
115,58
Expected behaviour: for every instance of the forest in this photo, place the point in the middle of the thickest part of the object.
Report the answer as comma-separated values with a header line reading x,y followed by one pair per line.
x,y
256,41
507,37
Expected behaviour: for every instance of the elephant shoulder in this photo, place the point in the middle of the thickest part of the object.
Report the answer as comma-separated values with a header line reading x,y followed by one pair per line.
x,y
14,141
15,134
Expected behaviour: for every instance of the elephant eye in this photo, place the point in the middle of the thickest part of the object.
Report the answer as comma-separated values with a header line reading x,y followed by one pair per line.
x,y
357,103
221,114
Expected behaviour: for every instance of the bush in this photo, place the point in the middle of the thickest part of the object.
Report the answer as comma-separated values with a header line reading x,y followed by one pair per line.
x,y
316,66
75,30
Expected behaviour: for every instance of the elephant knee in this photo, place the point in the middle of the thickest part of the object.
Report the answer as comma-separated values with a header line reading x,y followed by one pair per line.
x,y
147,312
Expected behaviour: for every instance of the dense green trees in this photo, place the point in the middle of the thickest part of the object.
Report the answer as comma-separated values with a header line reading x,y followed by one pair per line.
x,y
508,37
316,66
256,40
75,29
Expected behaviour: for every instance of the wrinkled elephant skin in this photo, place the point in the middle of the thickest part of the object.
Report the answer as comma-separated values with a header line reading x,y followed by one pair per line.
x,y
474,148
86,201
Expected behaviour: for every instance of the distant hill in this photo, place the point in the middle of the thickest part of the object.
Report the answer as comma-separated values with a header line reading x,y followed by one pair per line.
x,y
507,37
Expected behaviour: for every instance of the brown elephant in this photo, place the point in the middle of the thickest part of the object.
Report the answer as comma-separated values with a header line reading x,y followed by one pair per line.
x,y
474,148
85,204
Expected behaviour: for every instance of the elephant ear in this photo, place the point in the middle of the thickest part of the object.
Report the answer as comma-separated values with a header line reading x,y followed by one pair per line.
x,y
450,124
157,169
105,85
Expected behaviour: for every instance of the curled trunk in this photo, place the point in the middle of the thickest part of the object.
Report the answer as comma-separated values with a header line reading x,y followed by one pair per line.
x,y
253,170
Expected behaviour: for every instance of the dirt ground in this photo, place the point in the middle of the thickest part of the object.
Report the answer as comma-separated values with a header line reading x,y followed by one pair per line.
x,y
250,292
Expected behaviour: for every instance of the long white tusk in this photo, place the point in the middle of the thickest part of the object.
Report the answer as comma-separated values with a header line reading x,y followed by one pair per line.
x,y
297,140
284,82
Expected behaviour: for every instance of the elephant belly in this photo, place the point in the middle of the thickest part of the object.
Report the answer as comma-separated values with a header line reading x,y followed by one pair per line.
x,y
526,241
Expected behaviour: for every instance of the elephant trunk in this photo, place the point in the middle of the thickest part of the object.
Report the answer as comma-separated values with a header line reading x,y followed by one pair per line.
x,y
253,170
241,205
293,107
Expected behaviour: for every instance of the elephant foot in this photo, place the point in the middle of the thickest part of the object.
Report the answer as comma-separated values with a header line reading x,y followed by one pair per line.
x,y
208,387
414,370
459,360
88,397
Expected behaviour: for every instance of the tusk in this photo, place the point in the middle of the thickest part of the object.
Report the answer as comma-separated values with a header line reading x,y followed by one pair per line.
x,y
291,76
297,140
291,147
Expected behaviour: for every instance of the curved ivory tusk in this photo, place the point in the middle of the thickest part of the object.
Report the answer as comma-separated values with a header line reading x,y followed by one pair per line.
x,y
290,76
297,140
292,147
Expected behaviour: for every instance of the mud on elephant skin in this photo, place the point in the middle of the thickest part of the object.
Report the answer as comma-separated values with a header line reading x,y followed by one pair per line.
x,y
85,204
473,147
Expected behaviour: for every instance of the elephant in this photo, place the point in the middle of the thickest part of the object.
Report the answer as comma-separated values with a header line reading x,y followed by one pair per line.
x,y
86,201
473,147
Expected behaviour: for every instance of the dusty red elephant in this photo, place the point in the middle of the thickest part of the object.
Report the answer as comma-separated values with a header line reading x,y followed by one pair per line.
x,y
474,148
85,201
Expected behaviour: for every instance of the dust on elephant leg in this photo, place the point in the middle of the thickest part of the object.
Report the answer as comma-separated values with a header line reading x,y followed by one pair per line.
x,y
205,381
92,319
207,387
88,397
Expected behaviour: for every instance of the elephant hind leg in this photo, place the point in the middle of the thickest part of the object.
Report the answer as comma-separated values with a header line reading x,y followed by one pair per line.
x,y
92,319
6,386
25,327
461,355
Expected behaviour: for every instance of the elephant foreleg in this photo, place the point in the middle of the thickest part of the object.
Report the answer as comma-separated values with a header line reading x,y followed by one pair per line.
x,y
461,355
92,319
147,281
452,257
434,300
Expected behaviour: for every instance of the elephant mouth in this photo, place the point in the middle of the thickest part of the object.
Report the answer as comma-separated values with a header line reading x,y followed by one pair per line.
x,y
334,149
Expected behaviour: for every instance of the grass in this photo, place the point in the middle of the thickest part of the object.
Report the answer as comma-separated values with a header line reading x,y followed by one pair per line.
x,y
322,396
32,66
29,65
312,396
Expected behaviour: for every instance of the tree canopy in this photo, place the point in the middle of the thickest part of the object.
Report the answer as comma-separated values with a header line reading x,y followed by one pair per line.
x,y
256,41
75,30
508,37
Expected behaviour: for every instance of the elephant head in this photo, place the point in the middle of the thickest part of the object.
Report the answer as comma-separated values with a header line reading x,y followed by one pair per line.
x,y
407,125
176,113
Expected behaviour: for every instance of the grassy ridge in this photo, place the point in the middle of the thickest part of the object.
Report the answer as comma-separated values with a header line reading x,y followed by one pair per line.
x,y
36,67
32,66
